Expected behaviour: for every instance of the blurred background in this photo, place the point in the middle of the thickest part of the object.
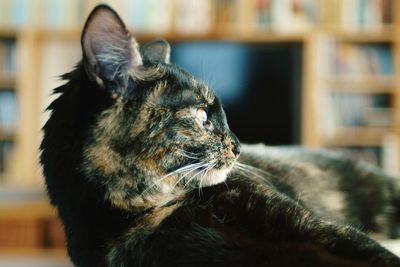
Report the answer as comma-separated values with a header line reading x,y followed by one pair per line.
x,y
318,73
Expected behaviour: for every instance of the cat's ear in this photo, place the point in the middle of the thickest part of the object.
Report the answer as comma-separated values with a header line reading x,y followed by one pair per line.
x,y
109,51
158,50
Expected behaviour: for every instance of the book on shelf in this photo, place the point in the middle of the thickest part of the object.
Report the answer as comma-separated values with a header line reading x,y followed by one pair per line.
x,y
355,15
60,13
286,15
226,14
8,58
193,16
301,15
42,13
361,60
6,149
254,15
8,111
360,110
145,15
161,17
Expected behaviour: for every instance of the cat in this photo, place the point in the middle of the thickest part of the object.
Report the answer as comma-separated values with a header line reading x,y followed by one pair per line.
x,y
143,169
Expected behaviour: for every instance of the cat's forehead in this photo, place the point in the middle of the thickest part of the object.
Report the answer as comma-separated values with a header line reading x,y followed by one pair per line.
x,y
183,86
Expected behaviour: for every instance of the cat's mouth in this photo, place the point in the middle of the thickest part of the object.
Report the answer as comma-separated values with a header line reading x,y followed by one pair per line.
x,y
215,176
207,176
201,173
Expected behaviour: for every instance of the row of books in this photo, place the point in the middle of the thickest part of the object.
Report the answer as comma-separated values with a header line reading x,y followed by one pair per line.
x,y
356,14
355,109
181,16
361,59
350,59
194,16
280,15
6,148
8,111
294,15
45,13
8,57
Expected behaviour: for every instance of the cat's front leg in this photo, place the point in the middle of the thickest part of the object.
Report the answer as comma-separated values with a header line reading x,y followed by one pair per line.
x,y
278,217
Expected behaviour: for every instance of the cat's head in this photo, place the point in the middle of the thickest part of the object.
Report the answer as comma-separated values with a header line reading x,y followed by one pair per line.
x,y
163,130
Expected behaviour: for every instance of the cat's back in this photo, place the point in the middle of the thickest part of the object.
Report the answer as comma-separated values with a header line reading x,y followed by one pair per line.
x,y
327,182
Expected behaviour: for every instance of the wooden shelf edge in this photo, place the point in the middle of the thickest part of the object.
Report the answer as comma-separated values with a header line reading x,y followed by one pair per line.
x,y
26,210
7,82
362,84
382,33
8,32
52,253
7,135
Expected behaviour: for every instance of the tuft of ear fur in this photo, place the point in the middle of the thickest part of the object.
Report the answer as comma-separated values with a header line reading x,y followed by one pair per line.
x,y
158,50
109,51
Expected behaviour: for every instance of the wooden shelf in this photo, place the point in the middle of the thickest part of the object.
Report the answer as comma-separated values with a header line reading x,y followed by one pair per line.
x,y
8,32
26,210
7,134
7,82
253,36
7,137
386,33
356,136
362,84
52,253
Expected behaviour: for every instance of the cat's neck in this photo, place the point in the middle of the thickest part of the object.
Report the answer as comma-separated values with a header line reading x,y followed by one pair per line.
x,y
143,200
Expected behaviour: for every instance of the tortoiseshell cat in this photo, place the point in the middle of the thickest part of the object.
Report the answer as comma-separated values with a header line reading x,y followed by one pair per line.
x,y
144,171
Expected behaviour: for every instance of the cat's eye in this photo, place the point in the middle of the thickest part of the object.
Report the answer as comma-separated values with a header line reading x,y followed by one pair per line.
x,y
202,115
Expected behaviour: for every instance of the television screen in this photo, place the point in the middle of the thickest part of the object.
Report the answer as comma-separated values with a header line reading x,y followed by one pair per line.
x,y
259,85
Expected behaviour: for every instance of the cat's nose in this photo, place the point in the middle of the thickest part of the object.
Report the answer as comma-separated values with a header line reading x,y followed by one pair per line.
x,y
235,144
236,149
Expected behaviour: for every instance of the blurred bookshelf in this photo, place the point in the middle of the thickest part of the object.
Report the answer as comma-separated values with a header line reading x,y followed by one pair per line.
x,y
8,103
350,91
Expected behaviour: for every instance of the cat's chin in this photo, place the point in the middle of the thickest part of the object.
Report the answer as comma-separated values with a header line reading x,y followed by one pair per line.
x,y
215,176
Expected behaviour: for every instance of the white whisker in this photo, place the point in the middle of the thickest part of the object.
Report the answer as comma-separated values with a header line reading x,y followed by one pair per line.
x,y
202,177
186,174
250,170
188,168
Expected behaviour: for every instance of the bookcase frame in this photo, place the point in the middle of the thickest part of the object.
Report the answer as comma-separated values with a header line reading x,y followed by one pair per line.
x,y
27,84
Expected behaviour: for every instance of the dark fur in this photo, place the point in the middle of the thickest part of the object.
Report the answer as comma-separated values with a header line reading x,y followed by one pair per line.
x,y
124,121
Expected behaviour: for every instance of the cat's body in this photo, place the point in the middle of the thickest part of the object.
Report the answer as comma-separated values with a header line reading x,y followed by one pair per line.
x,y
144,171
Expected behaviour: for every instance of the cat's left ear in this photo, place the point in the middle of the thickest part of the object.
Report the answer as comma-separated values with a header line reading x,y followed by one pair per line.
x,y
109,51
158,50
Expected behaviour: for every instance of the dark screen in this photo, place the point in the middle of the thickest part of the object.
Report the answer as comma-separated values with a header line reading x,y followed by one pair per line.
x,y
259,85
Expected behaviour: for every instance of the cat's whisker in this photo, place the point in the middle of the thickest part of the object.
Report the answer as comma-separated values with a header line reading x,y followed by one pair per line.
x,y
252,169
189,152
186,174
208,166
249,170
191,178
184,168
187,168
192,156
202,177
183,153
194,176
